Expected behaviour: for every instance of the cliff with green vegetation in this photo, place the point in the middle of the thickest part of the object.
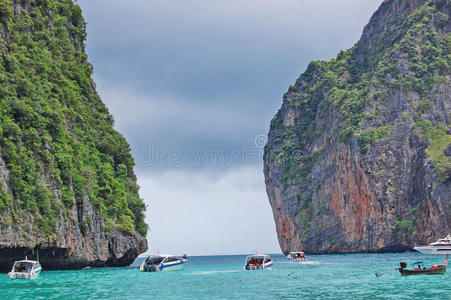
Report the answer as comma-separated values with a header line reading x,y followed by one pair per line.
x,y
67,186
359,156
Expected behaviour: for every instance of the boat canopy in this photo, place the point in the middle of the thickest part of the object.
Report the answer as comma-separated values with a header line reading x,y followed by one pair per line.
x,y
160,258
258,257
155,260
24,265
444,241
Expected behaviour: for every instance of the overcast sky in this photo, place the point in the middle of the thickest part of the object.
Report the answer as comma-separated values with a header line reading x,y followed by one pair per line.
x,y
193,85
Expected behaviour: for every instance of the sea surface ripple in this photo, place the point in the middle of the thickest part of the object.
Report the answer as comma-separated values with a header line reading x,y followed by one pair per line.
x,y
222,277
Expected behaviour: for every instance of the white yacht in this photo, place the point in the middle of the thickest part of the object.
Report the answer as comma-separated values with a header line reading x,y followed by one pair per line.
x,y
162,262
258,262
442,246
25,269
297,256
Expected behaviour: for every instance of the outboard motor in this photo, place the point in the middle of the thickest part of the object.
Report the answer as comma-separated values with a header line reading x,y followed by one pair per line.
x,y
403,264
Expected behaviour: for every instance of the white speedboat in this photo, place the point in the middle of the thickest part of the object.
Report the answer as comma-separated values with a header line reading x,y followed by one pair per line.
x,y
25,269
258,262
442,246
162,262
297,256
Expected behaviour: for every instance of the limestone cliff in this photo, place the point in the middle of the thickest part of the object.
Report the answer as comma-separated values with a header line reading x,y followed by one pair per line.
x,y
67,186
357,157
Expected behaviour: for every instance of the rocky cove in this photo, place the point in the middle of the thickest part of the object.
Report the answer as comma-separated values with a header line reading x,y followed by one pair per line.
x,y
357,159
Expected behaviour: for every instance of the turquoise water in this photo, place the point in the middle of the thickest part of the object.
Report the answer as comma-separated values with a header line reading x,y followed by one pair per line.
x,y
221,277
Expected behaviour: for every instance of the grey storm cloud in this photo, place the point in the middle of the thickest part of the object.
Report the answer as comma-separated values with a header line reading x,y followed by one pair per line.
x,y
205,77
209,75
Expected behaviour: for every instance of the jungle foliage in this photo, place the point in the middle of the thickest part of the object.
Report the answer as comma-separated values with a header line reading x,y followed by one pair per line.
x,y
407,58
56,135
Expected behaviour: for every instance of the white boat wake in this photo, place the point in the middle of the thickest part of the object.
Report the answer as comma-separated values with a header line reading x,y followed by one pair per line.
x,y
212,272
302,263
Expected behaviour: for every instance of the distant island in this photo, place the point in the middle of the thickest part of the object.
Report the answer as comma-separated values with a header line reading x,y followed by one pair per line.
x,y
358,157
67,186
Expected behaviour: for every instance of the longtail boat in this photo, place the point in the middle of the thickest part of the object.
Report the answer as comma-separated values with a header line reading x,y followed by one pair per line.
x,y
434,270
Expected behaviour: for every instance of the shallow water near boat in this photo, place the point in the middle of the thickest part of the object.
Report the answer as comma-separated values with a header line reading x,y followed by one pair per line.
x,y
207,277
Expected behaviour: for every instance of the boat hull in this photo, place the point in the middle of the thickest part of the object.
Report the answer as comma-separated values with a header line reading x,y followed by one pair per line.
x,y
436,271
165,267
172,267
433,250
267,266
29,276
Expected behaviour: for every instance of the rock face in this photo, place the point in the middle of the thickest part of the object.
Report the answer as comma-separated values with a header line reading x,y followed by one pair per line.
x,y
355,159
67,186
72,248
